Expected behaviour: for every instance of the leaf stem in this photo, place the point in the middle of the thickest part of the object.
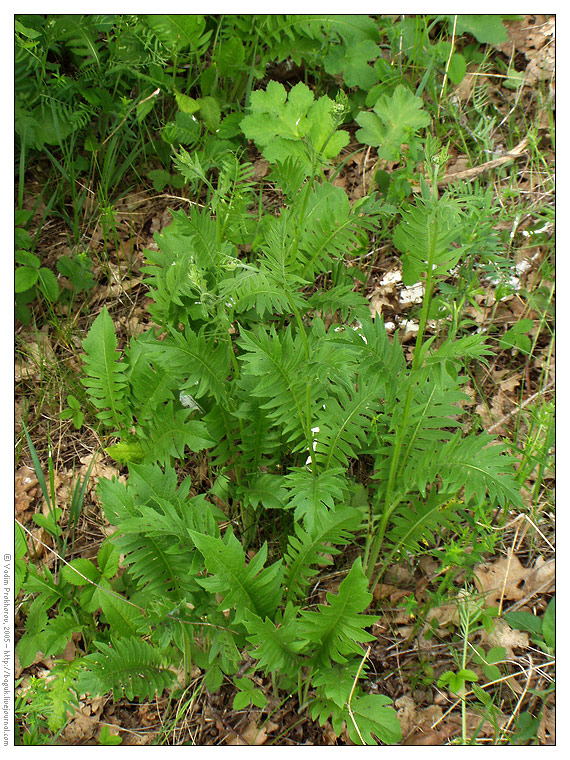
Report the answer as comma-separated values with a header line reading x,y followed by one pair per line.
x,y
389,507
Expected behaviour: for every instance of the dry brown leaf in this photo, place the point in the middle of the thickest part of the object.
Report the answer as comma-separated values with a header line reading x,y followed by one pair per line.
x,y
473,721
79,730
393,593
503,635
25,491
445,614
541,577
100,469
502,580
329,735
340,181
510,383
69,652
138,740
464,89
534,36
96,705
429,738
547,728
24,371
377,301
260,168
251,735
406,708
38,548
420,731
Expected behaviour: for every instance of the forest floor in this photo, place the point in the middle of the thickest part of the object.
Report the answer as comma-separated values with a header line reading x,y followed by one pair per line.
x,y
408,654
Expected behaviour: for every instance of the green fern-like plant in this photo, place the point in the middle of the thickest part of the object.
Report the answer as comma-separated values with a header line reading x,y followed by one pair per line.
x,y
290,390
105,375
127,667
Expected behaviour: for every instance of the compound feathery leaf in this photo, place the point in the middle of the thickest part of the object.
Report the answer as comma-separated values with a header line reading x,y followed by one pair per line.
x,y
106,382
337,626
244,587
128,667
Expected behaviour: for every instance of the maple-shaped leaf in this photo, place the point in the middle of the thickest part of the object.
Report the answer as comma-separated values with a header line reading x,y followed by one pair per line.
x,y
352,60
294,126
395,121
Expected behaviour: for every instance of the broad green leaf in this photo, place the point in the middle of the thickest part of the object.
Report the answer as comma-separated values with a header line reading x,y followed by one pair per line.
x,y
395,120
125,451
25,278
486,28
230,56
210,112
457,68
107,739
549,624
187,104
179,31
20,545
351,60
521,620
336,682
467,675
48,522
129,667
515,79
276,643
48,284
246,587
108,559
293,126
122,617
27,259
105,381
170,431
27,648
374,716
22,239
57,633
267,490
86,571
